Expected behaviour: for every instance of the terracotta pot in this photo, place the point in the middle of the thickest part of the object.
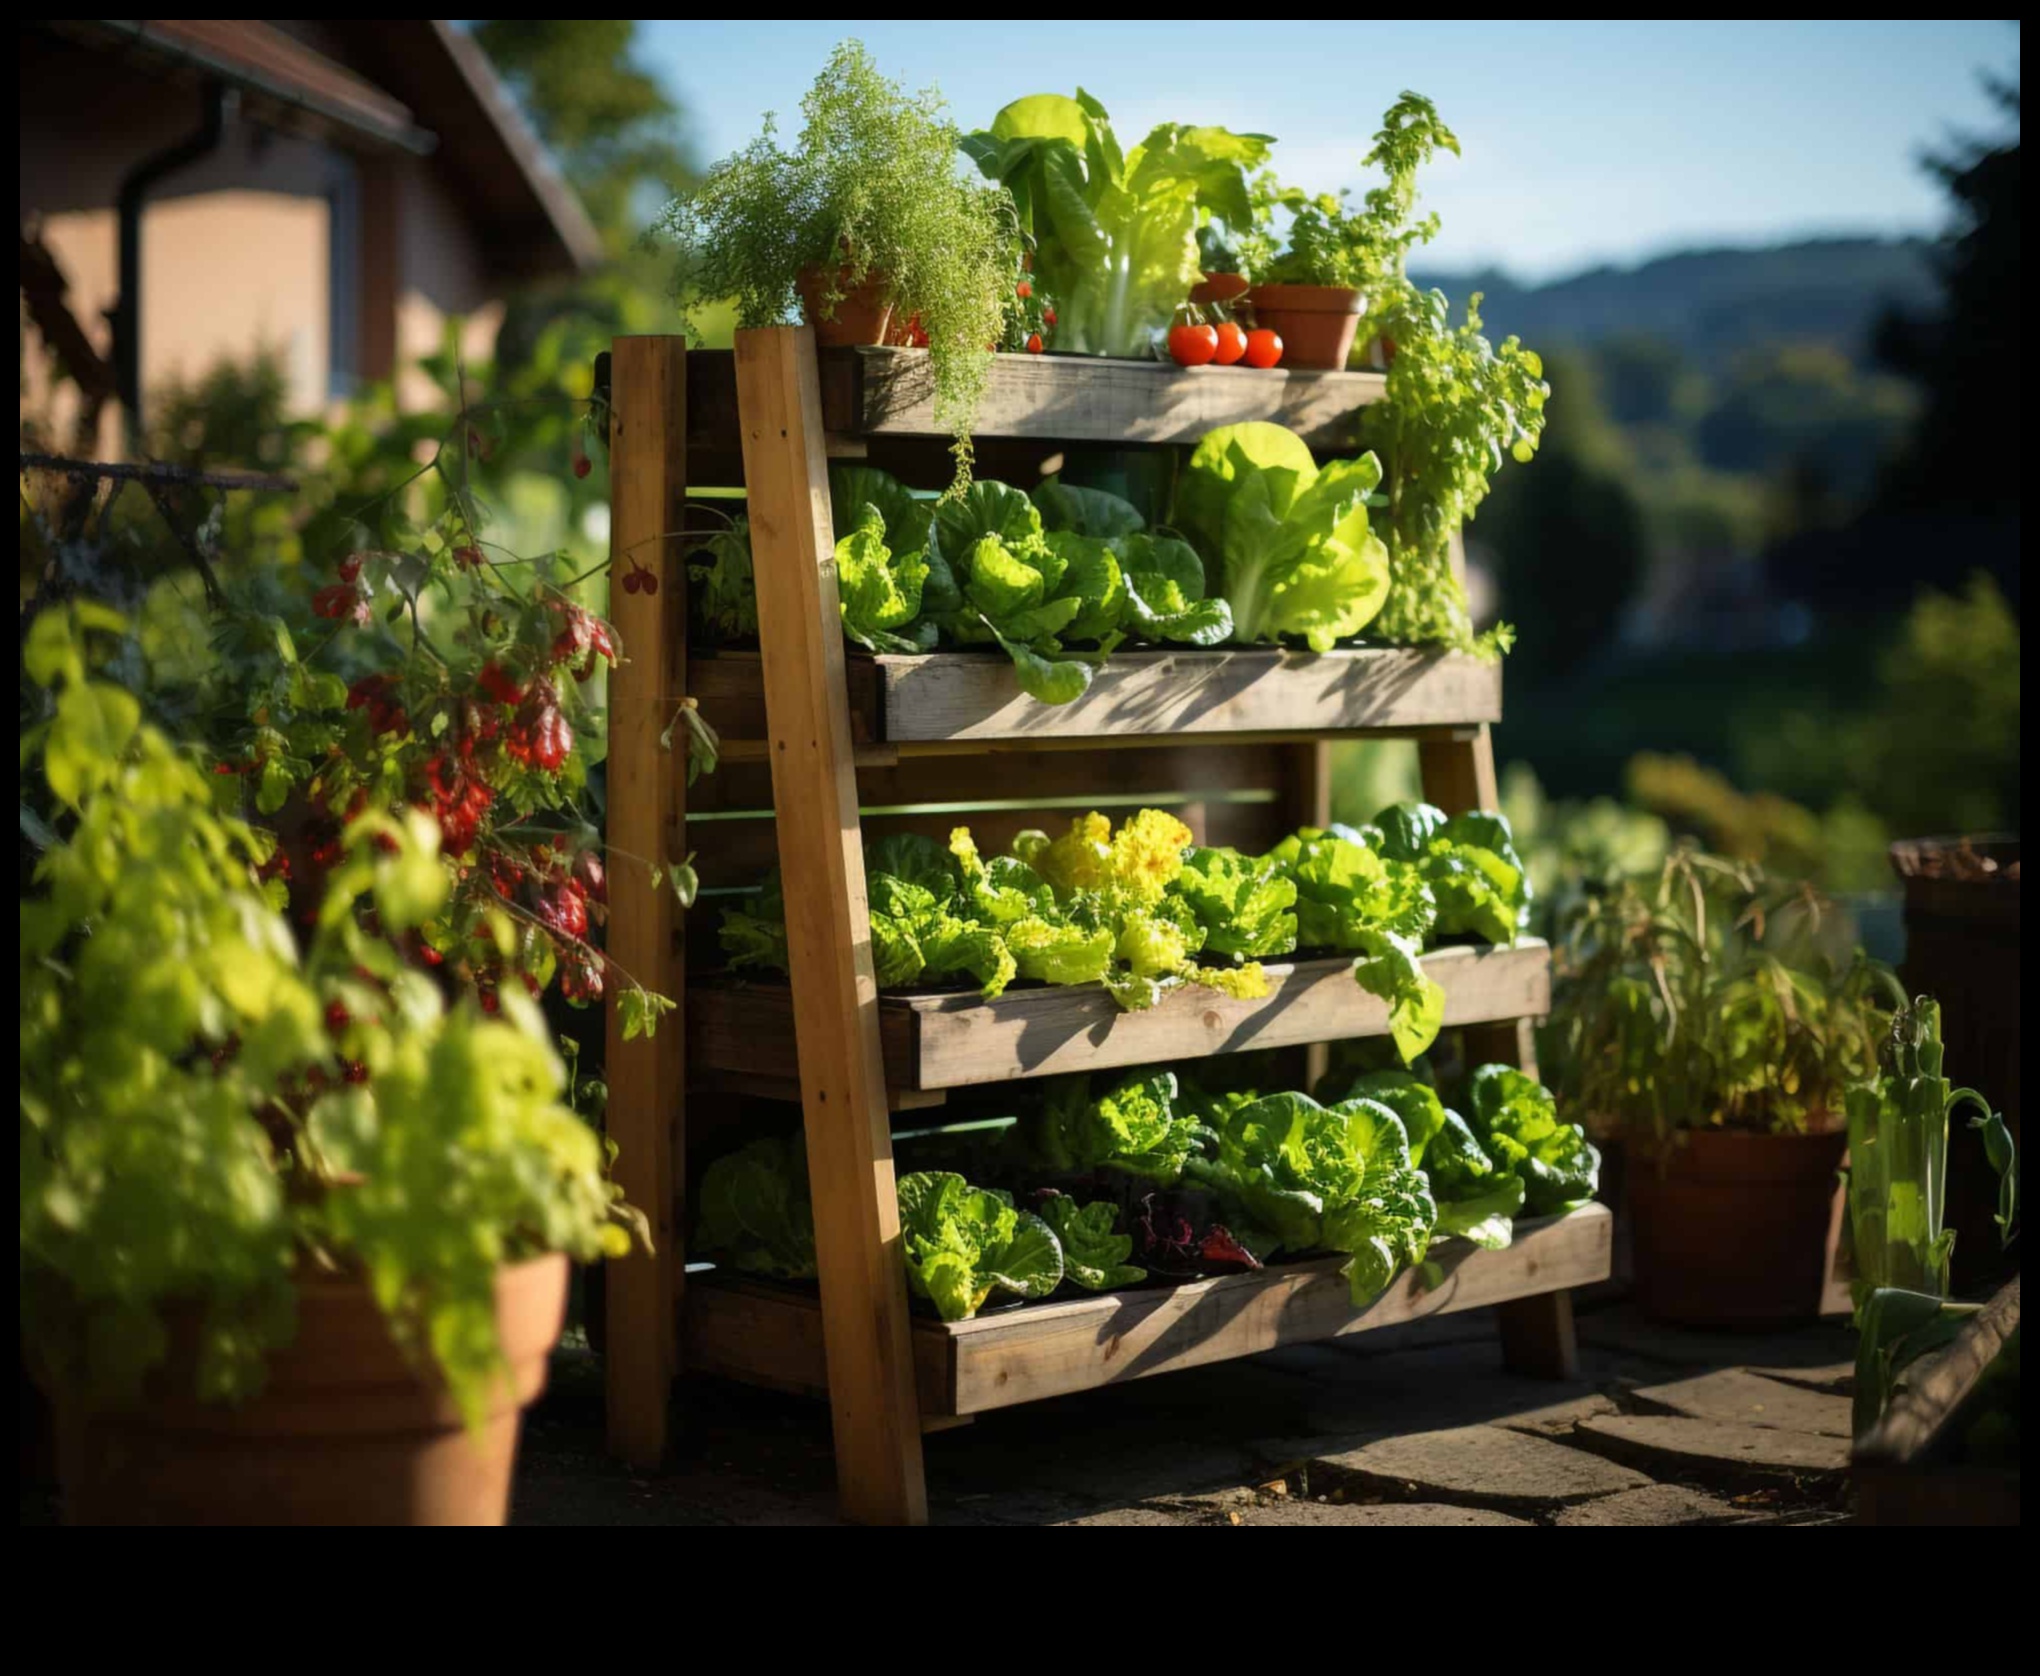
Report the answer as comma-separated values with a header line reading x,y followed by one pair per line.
x,y
862,314
1729,1228
1219,288
1317,323
344,1433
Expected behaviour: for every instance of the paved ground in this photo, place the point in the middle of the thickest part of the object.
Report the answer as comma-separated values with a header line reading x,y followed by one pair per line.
x,y
1409,1426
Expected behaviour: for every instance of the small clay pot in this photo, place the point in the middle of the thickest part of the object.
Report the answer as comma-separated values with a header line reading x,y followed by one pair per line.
x,y
1317,323
1219,288
1729,1227
345,1432
863,313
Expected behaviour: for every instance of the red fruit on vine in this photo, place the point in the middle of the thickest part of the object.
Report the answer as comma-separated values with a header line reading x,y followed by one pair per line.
x,y
1034,343
1264,348
540,737
647,582
337,1017
1192,346
593,876
468,557
1048,316
499,684
344,600
583,465
1232,342
1023,290
630,581
564,909
350,568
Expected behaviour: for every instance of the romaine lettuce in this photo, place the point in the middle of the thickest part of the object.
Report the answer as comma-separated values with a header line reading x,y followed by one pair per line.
x,y
1115,234
755,1214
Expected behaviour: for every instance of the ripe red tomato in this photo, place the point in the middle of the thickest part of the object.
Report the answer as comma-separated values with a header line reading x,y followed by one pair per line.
x,y
1264,348
1034,343
1023,290
1232,342
1192,346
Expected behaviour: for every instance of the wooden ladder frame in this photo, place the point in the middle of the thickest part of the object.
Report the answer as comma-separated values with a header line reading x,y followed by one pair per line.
x,y
863,1295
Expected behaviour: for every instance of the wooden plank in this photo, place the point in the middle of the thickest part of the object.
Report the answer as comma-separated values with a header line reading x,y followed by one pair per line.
x,y
889,393
964,696
1459,774
646,822
970,699
758,1333
1085,399
833,987
958,1040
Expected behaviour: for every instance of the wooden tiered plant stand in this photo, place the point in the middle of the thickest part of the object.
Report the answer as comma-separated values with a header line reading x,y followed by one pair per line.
x,y
824,749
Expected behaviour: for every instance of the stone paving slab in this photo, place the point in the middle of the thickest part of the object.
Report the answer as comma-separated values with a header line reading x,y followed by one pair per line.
x,y
1626,1331
1713,1451
1242,1507
1557,1420
1475,1466
1743,1398
1655,1504
1836,1378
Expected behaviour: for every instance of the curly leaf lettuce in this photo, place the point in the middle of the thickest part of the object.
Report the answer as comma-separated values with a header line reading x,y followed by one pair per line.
x,y
880,591
1470,862
1516,1119
1245,904
1094,1251
962,1243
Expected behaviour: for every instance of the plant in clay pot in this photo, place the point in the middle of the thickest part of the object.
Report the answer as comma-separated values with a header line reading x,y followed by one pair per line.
x,y
867,216
1715,1019
294,1227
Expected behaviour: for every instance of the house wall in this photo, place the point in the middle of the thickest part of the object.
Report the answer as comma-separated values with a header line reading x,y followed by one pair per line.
x,y
251,248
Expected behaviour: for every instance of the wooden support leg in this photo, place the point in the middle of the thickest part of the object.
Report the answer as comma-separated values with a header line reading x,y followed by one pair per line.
x,y
1537,1336
828,931
1537,1332
648,492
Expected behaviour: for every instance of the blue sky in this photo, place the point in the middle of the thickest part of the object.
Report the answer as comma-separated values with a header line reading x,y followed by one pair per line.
x,y
1584,142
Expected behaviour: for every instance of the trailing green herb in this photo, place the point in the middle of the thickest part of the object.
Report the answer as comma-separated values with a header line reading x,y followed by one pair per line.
x,y
871,191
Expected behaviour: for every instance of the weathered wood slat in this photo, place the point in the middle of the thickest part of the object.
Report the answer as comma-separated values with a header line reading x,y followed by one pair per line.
x,y
957,1041
766,1335
1056,398
972,697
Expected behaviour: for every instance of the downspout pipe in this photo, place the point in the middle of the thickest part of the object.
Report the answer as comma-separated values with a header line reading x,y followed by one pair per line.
x,y
135,187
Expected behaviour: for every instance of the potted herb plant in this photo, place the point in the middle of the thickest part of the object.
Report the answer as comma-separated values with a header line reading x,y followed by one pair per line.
x,y
1712,1020
1338,258
866,218
294,1227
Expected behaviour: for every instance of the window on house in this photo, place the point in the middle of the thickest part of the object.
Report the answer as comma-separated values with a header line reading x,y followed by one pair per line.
x,y
343,280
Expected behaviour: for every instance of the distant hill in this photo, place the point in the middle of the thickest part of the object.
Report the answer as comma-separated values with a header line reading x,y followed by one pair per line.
x,y
1712,303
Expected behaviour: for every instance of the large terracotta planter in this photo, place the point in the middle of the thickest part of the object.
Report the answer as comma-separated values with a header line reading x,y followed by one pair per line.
x,y
346,1432
1729,1229
863,314
1317,323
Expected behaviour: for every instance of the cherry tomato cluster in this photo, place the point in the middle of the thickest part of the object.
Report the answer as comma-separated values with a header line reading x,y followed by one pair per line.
x,y
1196,341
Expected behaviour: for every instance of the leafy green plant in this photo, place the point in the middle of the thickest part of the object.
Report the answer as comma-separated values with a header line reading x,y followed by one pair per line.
x,y
1115,232
1137,1125
1308,1177
1707,995
871,189
1288,540
1897,1184
1898,1159
963,1243
1094,1251
205,1109
755,1210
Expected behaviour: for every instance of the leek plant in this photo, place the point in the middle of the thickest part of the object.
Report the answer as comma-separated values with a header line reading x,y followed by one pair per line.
x,y
1898,1159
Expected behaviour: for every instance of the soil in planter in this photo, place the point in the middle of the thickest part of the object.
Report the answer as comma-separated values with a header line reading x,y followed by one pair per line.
x,y
344,1433
1729,1229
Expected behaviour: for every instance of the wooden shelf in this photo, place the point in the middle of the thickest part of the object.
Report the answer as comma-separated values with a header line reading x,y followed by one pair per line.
x,y
772,1335
971,699
1051,398
956,1041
